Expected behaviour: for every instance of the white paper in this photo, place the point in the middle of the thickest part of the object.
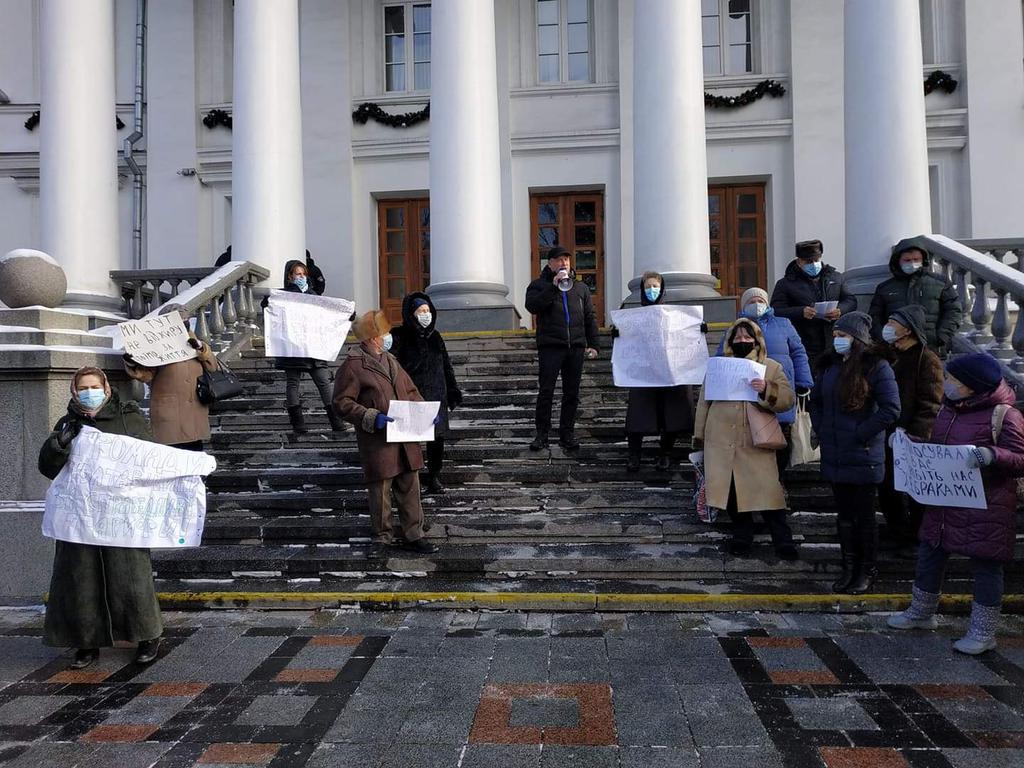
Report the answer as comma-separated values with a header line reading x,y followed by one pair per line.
x,y
936,475
117,491
659,346
413,421
821,308
306,325
157,340
728,378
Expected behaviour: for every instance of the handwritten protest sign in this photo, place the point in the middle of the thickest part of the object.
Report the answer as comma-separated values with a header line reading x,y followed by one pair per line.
x,y
117,491
659,346
306,325
728,378
413,421
936,475
158,340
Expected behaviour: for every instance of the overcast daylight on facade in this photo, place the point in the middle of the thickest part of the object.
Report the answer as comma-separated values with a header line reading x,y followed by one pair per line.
x,y
331,331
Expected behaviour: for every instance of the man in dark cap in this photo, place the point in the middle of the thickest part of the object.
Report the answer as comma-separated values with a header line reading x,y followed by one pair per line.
x,y
808,280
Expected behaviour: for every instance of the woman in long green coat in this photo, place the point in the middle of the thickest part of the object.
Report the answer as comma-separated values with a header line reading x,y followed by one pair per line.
x,y
98,595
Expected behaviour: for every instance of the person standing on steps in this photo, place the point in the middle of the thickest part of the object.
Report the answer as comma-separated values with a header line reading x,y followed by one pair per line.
x,y
740,477
808,280
296,280
919,378
99,595
855,399
663,411
369,379
566,334
978,409
913,282
784,347
420,350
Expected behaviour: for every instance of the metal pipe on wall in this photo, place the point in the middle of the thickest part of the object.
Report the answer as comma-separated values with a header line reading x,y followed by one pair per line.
x,y
138,124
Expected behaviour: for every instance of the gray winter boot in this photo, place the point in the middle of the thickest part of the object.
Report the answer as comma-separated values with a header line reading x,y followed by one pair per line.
x,y
981,634
920,614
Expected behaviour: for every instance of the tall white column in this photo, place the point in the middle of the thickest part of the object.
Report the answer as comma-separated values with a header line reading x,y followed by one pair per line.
x,y
78,147
887,195
670,172
466,262
268,224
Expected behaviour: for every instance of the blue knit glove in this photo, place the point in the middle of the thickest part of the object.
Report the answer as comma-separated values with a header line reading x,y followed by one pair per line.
x,y
980,457
381,421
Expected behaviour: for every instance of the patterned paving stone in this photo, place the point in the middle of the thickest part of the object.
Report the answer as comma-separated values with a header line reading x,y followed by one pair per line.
x,y
836,714
276,710
28,710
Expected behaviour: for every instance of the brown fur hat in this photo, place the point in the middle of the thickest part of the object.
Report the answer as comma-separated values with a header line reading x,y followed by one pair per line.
x,y
371,325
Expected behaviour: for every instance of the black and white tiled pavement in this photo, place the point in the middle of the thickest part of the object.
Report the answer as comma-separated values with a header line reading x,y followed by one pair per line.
x,y
435,688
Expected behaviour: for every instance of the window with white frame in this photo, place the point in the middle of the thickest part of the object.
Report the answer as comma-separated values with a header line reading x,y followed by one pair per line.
x,y
406,47
728,32
564,41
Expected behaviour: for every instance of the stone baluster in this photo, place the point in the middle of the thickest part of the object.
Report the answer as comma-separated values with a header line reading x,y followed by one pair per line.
x,y
962,289
217,326
980,314
175,282
230,313
1017,341
202,327
1001,347
245,313
138,308
256,315
155,302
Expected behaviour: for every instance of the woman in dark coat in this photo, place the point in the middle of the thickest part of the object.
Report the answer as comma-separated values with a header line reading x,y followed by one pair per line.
x,y
420,350
663,411
977,410
853,402
98,595
296,280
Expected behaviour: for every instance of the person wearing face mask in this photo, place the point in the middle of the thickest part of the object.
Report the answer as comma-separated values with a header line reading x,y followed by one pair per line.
x,y
741,478
296,280
809,280
977,409
369,379
918,373
420,349
854,401
784,347
913,282
99,595
663,411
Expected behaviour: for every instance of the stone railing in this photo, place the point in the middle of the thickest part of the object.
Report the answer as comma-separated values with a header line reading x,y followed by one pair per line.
x,y
990,293
221,300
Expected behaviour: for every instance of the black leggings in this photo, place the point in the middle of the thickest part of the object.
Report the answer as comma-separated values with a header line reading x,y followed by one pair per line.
x,y
855,521
435,456
743,523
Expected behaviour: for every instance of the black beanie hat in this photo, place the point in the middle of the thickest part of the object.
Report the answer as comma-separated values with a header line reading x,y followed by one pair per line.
x,y
809,249
856,324
979,371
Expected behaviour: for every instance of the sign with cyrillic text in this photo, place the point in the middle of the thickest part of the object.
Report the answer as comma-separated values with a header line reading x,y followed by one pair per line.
x,y
306,325
728,378
158,340
936,475
659,346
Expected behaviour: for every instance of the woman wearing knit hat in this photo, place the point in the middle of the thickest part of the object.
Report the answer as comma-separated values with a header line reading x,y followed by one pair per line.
x,y
978,409
854,400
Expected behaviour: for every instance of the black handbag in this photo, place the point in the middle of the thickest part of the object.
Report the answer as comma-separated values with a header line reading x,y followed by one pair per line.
x,y
214,386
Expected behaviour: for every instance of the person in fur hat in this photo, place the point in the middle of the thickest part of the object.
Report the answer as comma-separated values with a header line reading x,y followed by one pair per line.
x,y
367,382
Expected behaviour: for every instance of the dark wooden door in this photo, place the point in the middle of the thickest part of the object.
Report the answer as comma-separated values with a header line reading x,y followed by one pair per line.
x,y
403,228
739,243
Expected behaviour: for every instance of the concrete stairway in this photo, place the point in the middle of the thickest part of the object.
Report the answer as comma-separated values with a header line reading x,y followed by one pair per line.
x,y
287,514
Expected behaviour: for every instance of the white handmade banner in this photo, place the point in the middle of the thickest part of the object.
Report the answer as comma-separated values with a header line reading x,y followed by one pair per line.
x,y
117,491
158,340
413,421
306,325
936,475
728,378
659,346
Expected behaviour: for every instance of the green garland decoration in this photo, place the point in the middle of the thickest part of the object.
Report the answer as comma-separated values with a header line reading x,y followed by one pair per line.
x,y
940,81
370,111
772,88
33,121
216,117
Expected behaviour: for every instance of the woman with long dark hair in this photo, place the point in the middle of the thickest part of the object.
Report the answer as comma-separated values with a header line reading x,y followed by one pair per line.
x,y
854,400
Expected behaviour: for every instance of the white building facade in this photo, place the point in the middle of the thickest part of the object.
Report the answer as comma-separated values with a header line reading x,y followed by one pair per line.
x,y
532,139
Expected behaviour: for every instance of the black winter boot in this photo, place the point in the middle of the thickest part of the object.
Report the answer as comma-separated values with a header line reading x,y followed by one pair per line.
x,y
848,553
297,420
868,535
540,441
337,424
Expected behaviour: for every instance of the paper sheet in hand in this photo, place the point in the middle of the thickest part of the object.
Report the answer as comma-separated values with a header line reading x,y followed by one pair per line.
x,y
413,421
155,341
936,475
117,491
728,378
821,308
659,346
306,325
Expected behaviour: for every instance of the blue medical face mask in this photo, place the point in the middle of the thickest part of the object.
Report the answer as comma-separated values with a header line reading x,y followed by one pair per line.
x,y
755,309
813,269
889,334
842,344
652,293
952,391
300,283
91,399
911,267
388,341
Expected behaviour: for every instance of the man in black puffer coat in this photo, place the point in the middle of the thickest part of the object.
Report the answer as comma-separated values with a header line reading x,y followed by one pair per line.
x,y
809,280
913,282
566,333
420,350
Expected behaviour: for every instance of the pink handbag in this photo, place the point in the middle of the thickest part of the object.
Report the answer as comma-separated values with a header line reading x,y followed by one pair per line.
x,y
765,431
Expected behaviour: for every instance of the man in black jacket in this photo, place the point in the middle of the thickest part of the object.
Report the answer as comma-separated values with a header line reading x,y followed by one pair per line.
x,y
566,333
808,281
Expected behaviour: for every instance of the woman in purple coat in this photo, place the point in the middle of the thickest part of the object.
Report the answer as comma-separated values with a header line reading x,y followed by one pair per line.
x,y
977,410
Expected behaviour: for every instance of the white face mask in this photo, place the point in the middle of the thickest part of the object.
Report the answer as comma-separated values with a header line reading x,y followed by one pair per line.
x,y
424,318
755,309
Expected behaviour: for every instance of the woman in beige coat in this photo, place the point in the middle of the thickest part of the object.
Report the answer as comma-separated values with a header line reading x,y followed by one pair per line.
x,y
742,479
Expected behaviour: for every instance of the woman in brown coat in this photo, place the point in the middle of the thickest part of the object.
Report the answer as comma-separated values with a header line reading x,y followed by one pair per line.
x,y
740,478
367,382
177,416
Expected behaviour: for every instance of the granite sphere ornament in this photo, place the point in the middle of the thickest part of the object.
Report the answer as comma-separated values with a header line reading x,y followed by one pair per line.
x,y
31,278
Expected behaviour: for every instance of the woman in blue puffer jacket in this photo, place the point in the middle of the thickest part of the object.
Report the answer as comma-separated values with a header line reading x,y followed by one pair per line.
x,y
785,348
